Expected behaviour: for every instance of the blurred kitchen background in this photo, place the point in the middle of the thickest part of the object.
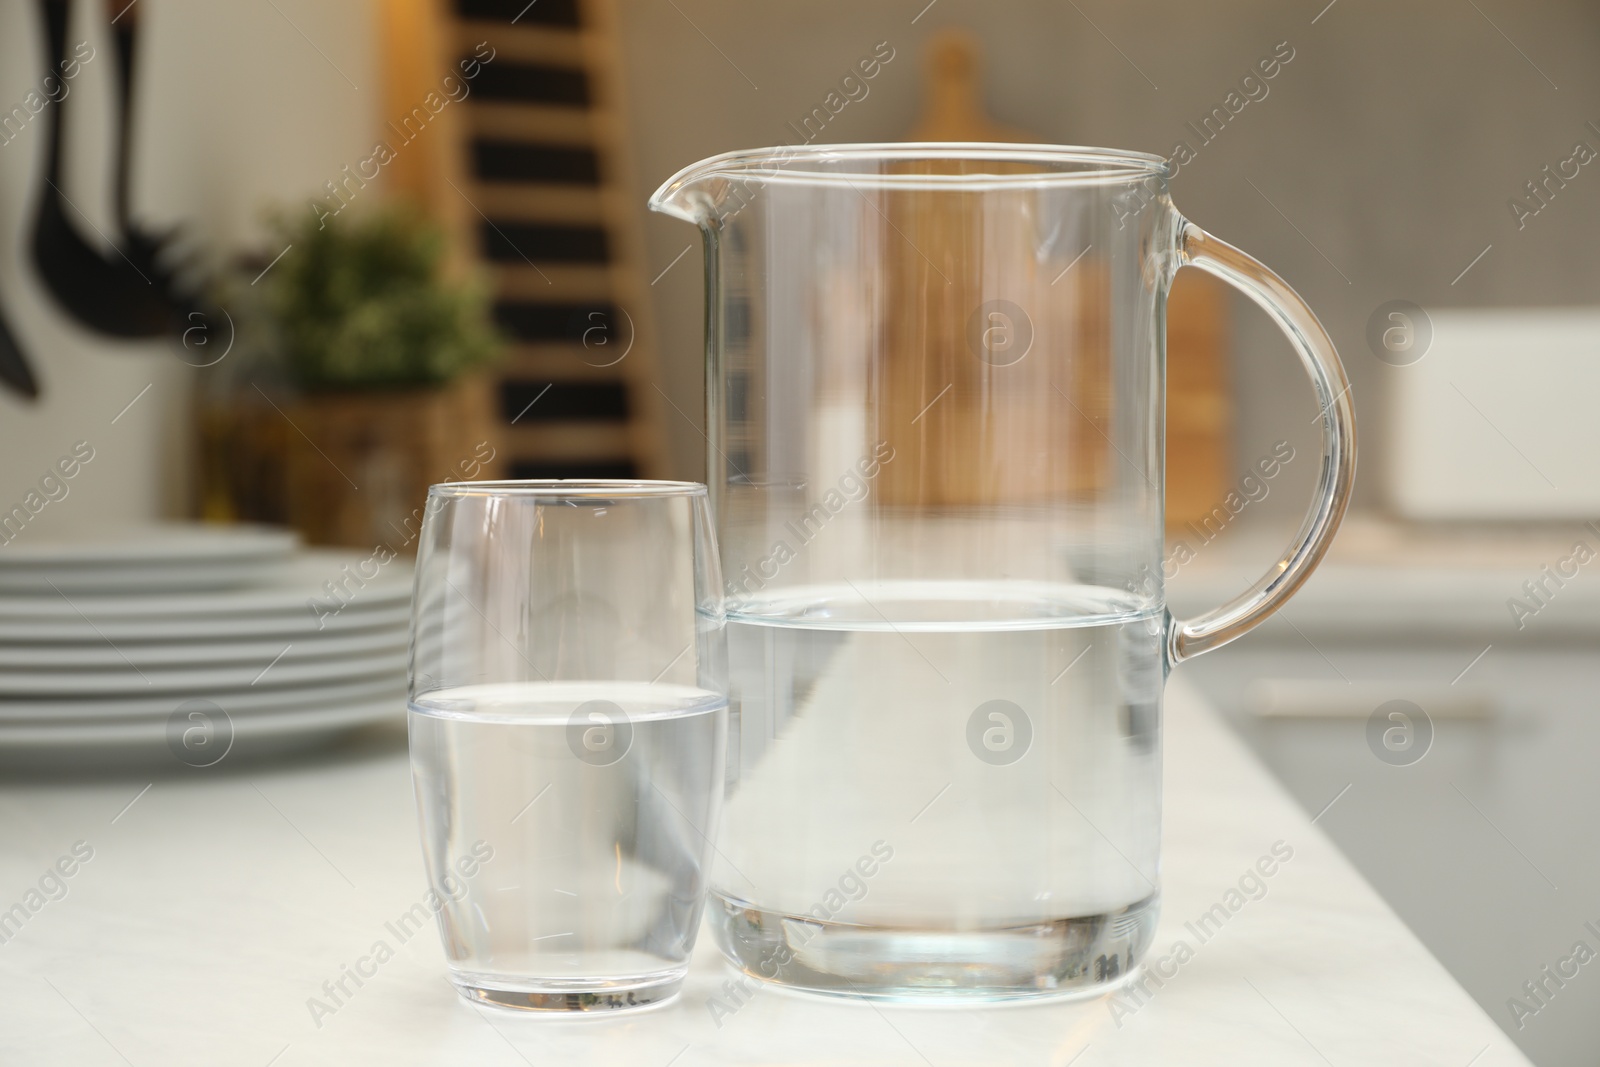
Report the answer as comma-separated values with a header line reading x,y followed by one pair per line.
x,y
1420,172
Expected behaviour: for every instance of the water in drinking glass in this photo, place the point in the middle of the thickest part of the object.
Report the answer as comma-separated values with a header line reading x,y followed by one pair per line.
x,y
597,799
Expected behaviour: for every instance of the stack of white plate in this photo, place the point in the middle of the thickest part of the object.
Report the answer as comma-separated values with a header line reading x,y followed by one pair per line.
x,y
191,643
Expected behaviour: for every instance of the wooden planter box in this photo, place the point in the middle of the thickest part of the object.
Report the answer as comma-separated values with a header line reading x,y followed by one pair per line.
x,y
350,468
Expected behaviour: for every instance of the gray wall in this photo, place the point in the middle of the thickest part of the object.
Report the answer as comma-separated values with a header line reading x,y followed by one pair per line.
x,y
1392,141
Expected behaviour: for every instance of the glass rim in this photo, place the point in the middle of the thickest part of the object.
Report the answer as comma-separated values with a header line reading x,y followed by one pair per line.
x,y
570,488
811,165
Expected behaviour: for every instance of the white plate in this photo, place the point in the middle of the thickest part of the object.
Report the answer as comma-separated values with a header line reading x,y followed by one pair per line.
x,y
236,702
265,628
174,544
295,588
97,581
100,656
145,742
270,673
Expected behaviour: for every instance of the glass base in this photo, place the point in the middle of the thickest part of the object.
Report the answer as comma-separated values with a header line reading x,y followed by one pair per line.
x,y
569,996
1076,956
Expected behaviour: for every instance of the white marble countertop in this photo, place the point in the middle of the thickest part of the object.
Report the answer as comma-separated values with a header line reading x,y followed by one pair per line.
x,y
217,902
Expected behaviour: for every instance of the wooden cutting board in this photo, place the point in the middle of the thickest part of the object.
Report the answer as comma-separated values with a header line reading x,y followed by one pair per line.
x,y
958,450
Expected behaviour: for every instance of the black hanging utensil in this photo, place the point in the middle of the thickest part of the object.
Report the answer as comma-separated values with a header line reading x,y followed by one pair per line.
x,y
14,369
150,251
109,295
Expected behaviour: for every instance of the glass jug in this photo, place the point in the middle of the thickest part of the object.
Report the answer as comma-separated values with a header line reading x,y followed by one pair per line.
x,y
936,393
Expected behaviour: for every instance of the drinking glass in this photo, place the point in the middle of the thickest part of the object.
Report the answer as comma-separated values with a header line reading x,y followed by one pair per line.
x,y
568,718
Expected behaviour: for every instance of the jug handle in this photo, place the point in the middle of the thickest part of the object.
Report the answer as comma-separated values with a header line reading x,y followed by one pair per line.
x,y
1189,638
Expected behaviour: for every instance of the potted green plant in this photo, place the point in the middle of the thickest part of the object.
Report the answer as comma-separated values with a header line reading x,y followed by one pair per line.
x,y
387,352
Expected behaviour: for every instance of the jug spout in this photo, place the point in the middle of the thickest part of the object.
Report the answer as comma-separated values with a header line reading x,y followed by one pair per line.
x,y
703,192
